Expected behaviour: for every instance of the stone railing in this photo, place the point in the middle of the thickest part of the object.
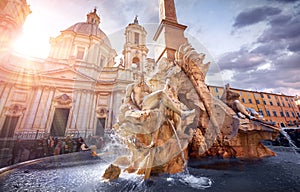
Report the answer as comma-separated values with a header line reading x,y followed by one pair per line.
x,y
77,134
30,135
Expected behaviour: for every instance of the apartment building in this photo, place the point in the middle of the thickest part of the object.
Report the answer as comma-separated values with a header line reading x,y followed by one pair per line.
x,y
282,110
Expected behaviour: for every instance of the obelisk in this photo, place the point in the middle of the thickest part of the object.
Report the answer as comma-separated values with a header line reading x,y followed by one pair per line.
x,y
170,34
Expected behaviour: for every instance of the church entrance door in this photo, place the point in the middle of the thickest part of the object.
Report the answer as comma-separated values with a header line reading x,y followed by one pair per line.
x,y
100,126
59,123
9,126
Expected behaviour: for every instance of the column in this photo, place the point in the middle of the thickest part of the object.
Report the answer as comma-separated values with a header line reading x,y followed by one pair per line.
x,y
110,114
75,110
86,109
32,108
3,101
81,111
4,97
47,109
31,94
93,113
41,108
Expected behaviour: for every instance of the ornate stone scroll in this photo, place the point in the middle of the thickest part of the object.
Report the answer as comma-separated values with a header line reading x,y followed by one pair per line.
x,y
63,99
15,110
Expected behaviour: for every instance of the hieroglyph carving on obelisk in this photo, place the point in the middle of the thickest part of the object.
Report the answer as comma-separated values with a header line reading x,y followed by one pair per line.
x,y
167,10
170,34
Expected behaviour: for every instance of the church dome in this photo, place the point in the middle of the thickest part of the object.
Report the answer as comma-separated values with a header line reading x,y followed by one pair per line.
x,y
90,28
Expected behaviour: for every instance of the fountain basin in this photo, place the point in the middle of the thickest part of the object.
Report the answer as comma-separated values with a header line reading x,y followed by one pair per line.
x,y
80,172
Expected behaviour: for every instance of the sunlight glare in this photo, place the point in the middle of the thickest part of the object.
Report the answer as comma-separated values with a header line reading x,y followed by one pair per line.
x,y
32,42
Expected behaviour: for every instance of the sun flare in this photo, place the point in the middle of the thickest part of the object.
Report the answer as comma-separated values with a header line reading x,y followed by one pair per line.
x,y
32,45
32,42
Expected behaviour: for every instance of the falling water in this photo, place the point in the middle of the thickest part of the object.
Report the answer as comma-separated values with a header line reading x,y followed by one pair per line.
x,y
186,177
287,136
113,145
179,144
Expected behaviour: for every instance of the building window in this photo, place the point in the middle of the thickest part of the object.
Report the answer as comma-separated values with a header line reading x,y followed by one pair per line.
x,y
260,112
289,105
286,99
262,95
243,100
269,97
257,101
265,103
102,61
283,104
278,103
271,103
281,114
136,38
274,113
217,91
80,52
298,114
287,114
293,114
268,113
250,100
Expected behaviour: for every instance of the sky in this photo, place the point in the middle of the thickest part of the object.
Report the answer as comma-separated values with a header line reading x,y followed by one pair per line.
x,y
253,44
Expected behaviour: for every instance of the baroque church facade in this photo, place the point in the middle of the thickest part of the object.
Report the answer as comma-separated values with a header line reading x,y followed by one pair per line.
x,y
77,90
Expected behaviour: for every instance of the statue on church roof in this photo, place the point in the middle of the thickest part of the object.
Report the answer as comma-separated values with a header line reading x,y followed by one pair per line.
x,y
136,21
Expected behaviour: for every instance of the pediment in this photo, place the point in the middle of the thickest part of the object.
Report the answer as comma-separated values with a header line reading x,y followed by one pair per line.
x,y
66,74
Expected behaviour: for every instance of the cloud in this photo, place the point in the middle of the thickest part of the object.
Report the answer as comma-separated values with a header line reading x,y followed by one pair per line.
x,y
272,61
269,49
241,61
289,62
285,1
120,13
254,15
287,30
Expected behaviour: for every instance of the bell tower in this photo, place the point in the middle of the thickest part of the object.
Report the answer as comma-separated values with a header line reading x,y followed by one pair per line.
x,y
13,14
135,50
